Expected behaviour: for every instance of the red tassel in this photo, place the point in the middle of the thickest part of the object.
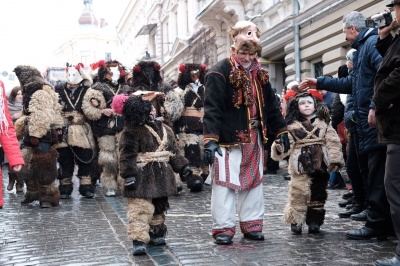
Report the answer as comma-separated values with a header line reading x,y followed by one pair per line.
x,y
182,68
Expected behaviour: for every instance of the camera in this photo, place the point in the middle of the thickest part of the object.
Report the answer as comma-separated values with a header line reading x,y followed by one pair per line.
x,y
379,20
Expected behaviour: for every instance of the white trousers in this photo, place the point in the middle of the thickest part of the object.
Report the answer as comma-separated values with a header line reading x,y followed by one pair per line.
x,y
223,206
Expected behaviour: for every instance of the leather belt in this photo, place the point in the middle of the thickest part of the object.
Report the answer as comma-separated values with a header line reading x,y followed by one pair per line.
x,y
255,123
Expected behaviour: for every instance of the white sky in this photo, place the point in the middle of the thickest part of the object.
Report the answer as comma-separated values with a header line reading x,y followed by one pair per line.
x,y
31,30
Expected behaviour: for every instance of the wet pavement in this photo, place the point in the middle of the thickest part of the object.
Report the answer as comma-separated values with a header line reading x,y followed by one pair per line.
x,y
93,232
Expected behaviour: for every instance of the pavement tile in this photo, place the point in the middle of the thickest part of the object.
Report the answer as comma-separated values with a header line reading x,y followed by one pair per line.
x,y
93,232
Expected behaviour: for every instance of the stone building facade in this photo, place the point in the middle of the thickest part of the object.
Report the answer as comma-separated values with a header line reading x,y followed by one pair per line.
x,y
300,38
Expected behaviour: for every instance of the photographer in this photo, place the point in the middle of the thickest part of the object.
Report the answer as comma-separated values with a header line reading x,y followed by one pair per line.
x,y
387,122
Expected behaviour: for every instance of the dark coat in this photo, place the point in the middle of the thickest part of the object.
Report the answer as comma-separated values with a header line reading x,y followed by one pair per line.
x,y
360,85
229,124
337,111
154,180
387,91
107,125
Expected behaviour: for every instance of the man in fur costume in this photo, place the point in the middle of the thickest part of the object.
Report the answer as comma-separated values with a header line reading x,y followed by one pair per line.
x,y
106,125
39,128
77,146
239,104
186,112
149,156
315,151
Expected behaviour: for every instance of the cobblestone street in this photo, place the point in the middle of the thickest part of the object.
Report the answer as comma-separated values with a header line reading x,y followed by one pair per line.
x,y
92,232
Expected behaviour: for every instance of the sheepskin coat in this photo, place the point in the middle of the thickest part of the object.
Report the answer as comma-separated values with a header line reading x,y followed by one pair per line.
x,y
155,179
323,140
43,113
78,132
314,148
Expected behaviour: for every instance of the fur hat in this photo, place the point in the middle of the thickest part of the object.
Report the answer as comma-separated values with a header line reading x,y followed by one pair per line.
x,y
27,74
141,77
184,77
136,111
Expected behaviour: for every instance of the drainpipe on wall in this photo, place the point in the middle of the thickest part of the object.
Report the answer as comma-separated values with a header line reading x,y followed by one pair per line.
x,y
296,40
161,31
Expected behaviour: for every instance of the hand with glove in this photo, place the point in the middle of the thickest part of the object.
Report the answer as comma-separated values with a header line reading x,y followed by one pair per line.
x,y
185,173
333,167
282,144
209,151
130,183
284,140
34,141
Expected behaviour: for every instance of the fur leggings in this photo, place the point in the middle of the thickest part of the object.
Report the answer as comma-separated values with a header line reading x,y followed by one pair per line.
x,y
146,218
307,197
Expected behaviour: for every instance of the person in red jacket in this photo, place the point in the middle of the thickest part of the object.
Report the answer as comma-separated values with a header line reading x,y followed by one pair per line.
x,y
8,139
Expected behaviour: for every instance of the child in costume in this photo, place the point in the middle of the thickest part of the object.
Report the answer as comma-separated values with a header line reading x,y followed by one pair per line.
x,y
149,156
315,151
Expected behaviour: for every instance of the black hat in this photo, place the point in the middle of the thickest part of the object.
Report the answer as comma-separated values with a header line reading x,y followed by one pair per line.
x,y
394,2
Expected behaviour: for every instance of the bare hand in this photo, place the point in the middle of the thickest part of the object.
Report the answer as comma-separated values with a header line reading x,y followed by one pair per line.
x,y
308,83
107,112
385,31
95,102
17,168
371,118
16,116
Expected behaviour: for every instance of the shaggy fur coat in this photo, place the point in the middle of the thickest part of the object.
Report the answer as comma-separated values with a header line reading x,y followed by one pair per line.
x,y
155,179
314,148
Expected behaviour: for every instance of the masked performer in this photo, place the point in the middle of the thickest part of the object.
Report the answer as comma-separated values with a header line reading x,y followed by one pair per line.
x,y
40,127
77,146
106,125
186,112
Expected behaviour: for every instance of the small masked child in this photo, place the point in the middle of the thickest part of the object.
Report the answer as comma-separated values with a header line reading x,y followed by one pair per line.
x,y
315,150
149,156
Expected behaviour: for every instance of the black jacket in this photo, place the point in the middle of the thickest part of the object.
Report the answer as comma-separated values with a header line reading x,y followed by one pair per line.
x,y
387,91
229,124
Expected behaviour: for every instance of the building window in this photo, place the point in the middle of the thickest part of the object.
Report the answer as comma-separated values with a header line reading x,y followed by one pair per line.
x,y
318,69
85,57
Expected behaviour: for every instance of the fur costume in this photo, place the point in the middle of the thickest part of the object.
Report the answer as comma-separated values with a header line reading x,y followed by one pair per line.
x,y
77,146
106,129
315,150
149,153
41,120
184,105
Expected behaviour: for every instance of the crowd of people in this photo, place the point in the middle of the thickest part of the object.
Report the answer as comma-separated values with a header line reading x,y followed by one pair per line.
x,y
142,136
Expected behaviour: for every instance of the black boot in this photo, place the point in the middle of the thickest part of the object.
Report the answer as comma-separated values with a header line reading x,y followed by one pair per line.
x,y
65,191
139,248
87,191
353,210
313,228
362,216
345,202
195,183
12,177
296,229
